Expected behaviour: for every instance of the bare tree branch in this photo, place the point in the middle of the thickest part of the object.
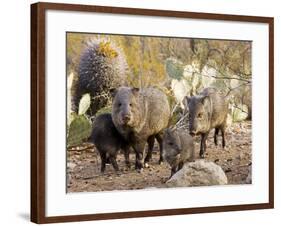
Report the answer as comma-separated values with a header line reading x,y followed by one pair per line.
x,y
225,76
230,90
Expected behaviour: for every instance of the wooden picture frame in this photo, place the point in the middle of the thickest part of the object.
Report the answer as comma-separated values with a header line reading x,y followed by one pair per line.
x,y
38,108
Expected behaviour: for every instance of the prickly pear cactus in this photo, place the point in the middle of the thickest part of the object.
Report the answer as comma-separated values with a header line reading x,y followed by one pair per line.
x,y
79,130
84,104
69,86
174,68
79,126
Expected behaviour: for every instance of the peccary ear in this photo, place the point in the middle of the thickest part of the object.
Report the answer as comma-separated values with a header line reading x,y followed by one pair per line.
x,y
113,92
186,101
205,100
135,91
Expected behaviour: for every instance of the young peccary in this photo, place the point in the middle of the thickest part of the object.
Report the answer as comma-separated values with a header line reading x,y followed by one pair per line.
x,y
207,110
178,148
140,115
108,141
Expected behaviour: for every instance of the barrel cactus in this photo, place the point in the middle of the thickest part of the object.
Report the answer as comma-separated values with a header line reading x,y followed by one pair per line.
x,y
102,67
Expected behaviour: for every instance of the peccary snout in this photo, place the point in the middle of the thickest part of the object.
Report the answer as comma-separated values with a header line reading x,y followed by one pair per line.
x,y
199,114
126,118
124,106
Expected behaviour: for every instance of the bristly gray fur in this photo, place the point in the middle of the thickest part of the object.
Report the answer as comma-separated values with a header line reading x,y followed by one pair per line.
x,y
207,110
140,114
178,148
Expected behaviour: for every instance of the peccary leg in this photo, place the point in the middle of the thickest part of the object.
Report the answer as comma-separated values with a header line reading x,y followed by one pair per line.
x,y
173,170
150,142
180,166
204,137
223,137
114,163
127,156
103,161
216,135
107,161
139,155
159,139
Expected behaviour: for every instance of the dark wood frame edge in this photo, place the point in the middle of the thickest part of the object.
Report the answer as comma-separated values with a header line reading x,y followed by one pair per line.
x,y
38,112
271,111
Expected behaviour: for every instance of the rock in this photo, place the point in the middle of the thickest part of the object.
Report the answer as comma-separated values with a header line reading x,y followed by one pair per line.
x,y
71,165
69,179
249,177
198,173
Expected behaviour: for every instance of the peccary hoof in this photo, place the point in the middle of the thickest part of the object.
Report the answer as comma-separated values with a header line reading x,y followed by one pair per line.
x,y
202,155
140,170
138,166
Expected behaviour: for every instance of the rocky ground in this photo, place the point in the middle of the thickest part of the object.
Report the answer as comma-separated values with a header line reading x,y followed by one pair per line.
x,y
83,164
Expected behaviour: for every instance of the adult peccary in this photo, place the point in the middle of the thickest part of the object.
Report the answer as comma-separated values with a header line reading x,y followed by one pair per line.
x,y
207,110
140,115
178,148
108,141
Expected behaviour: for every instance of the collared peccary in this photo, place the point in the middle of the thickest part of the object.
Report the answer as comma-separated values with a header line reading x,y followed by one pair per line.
x,y
178,148
207,110
140,115
108,141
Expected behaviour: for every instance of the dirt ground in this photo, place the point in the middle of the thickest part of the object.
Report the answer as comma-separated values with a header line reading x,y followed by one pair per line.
x,y
83,164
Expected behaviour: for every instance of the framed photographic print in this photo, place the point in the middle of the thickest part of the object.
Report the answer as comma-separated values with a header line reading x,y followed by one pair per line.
x,y
140,112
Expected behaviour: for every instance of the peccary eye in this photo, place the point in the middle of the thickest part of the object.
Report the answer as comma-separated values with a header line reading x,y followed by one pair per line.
x,y
119,105
171,143
131,105
199,115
